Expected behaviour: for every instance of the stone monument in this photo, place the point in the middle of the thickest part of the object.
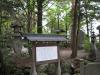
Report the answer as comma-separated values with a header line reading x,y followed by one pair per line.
x,y
81,39
16,43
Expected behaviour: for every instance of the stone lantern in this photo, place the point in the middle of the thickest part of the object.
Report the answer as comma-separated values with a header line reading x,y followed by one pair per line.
x,y
17,43
17,27
98,28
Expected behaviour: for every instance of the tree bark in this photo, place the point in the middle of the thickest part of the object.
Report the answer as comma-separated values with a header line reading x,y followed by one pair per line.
x,y
39,15
30,21
29,18
2,65
29,26
74,29
86,16
78,27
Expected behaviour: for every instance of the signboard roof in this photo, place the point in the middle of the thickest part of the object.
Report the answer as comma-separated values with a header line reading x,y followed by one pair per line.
x,y
45,37
98,27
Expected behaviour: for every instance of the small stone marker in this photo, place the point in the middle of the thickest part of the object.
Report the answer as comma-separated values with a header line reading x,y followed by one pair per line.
x,y
81,39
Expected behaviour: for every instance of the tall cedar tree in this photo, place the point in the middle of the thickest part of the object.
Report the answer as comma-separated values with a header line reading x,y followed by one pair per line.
x,y
39,15
74,28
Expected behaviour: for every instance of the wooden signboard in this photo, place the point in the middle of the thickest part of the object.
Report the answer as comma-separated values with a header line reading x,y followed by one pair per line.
x,y
45,49
46,54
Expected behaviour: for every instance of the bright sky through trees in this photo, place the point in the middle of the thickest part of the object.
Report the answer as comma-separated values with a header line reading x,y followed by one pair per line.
x,y
53,5
95,24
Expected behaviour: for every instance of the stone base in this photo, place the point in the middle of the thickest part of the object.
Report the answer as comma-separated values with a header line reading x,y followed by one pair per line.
x,y
90,69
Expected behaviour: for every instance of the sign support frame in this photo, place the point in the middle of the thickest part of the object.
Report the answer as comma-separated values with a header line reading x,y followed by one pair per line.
x,y
34,72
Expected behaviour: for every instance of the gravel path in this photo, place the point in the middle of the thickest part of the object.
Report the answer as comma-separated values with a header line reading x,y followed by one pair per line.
x,y
66,53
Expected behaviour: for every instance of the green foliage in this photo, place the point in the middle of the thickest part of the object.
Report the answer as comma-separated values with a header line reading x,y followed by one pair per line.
x,y
58,11
98,45
89,12
42,74
51,69
5,46
86,43
17,10
65,67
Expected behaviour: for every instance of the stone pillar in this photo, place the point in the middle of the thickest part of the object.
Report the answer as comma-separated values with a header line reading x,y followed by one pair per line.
x,y
17,46
82,68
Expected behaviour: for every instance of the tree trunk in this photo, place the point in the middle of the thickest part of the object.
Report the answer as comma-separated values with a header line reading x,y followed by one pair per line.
x,y
86,16
29,18
0,21
78,27
2,65
39,15
0,28
74,29
29,26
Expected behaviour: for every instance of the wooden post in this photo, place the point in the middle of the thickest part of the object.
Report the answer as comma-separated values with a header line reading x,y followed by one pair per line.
x,y
59,66
34,61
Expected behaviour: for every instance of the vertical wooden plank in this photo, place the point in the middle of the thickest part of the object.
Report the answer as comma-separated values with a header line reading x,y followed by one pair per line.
x,y
34,61
59,66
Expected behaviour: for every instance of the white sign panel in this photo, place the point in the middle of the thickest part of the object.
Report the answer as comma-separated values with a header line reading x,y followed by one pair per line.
x,y
46,53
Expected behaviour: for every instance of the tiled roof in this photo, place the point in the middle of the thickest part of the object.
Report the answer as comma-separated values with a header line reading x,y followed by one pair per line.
x,y
98,27
45,37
